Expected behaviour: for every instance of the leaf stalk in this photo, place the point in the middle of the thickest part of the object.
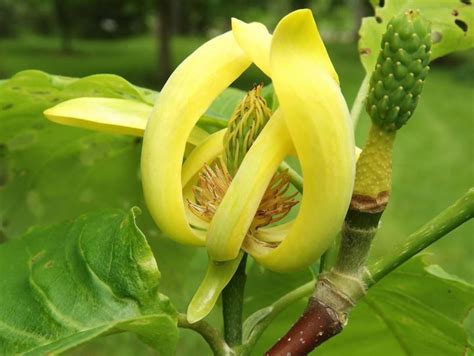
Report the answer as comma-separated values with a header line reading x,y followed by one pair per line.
x,y
209,334
449,219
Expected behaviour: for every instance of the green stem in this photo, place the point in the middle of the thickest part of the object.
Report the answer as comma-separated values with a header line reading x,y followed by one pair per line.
x,y
210,334
232,305
452,217
295,178
359,100
275,309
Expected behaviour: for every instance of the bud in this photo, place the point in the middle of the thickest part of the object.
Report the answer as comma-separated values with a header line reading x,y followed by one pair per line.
x,y
246,123
402,66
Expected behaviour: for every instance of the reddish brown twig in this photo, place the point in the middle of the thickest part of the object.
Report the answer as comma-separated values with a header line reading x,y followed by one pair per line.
x,y
317,324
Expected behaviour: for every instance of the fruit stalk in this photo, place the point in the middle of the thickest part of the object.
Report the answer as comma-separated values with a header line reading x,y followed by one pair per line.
x,y
232,305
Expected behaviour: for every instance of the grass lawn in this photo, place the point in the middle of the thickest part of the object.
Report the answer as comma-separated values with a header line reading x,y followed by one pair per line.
x,y
434,154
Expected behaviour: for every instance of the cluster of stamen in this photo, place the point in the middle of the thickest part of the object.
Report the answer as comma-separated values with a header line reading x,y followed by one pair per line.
x,y
213,182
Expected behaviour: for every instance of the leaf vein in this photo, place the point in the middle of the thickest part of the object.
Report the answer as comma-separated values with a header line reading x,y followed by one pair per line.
x,y
388,324
23,333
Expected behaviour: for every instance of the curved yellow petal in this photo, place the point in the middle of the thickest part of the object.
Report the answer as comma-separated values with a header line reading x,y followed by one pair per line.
x,y
274,233
255,40
121,116
311,49
319,124
237,210
217,276
185,97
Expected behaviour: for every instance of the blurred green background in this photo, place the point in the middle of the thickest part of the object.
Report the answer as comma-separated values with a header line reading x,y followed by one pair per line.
x,y
144,40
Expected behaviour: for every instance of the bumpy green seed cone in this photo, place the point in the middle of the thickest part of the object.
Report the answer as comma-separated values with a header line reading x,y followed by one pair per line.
x,y
247,121
401,69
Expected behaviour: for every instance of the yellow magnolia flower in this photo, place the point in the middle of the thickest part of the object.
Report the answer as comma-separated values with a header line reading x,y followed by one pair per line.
x,y
311,122
312,119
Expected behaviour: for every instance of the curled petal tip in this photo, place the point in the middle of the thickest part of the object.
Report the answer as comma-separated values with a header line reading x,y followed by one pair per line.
x,y
121,116
298,30
235,22
299,13
255,40
217,277
194,318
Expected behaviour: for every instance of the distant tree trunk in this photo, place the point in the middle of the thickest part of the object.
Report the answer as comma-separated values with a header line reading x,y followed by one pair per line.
x,y
164,38
362,9
64,24
177,16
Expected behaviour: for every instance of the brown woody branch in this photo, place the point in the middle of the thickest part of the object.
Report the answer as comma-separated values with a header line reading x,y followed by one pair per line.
x,y
318,323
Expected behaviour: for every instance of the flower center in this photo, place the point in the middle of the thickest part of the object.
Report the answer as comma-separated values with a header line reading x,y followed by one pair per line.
x,y
213,182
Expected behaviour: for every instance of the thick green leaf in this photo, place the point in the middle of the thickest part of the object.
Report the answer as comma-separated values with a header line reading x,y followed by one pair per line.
x,y
417,310
452,24
66,284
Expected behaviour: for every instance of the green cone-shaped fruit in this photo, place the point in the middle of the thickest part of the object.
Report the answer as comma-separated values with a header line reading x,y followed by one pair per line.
x,y
402,66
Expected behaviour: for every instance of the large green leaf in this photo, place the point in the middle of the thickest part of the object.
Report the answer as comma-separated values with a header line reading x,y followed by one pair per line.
x,y
417,310
452,23
66,284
